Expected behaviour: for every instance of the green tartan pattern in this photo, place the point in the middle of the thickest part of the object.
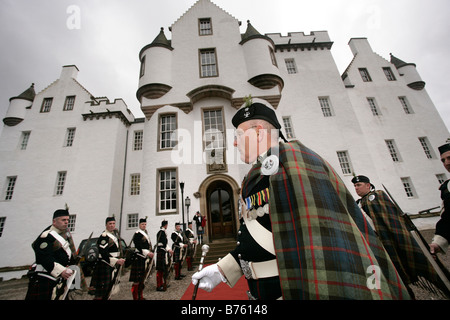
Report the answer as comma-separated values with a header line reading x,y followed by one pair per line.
x,y
324,246
405,253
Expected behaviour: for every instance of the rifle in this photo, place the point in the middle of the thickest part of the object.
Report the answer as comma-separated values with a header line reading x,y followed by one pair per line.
x,y
151,264
63,286
434,261
115,281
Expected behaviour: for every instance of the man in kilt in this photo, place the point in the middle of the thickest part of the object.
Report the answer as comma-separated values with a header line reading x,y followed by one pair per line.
x,y
109,260
54,251
162,257
387,221
179,244
192,242
141,259
442,234
302,236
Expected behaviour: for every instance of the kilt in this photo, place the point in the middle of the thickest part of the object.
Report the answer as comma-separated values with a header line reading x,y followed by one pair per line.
x,y
161,260
177,254
101,279
40,288
138,266
190,250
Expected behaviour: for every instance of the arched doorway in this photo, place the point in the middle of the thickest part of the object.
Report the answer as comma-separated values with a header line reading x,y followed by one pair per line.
x,y
219,195
220,210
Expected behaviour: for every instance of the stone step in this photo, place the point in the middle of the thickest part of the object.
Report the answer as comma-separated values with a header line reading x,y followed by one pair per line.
x,y
217,250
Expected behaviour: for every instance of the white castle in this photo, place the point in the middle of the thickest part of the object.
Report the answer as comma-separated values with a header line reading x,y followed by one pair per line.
x,y
64,146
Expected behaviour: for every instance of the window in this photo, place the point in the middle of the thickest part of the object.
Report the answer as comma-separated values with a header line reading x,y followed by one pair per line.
x,y
272,57
213,129
441,178
70,136
365,75
167,126
25,138
10,184
405,105
426,147
46,104
135,184
389,74
72,221
132,220
393,150
60,182
288,128
205,27
373,106
167,190
325,105
2,225
70,102
291,66
208,63
142,71
344,161
138,138
408,187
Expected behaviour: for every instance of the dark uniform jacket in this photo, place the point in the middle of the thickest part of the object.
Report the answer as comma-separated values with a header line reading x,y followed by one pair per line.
x,y
143,247
109,253
50,253
162,253
442,233
177,245
54,252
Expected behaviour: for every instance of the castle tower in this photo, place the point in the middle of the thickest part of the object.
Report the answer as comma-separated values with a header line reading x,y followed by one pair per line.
x,y
18,105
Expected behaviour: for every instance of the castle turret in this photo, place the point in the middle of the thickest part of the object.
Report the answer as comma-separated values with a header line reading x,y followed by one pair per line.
x,y
409,72
262,68
18,105
156,63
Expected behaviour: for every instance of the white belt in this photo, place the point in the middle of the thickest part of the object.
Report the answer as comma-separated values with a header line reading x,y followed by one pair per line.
x,y
259,270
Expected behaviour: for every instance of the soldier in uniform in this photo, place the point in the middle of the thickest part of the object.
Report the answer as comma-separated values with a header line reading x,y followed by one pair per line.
x,y
141,259
54,251
299,225
192,242
441,237
162,256
109,260
179,244
391,227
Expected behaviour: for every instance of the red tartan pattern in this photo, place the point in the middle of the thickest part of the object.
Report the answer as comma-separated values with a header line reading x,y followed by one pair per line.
x,y
321,252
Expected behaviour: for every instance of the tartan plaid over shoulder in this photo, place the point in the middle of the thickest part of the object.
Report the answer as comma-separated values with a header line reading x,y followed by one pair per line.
x,y
325,249
404,251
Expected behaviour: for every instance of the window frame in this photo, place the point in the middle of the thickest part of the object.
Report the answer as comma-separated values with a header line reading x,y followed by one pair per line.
x,y
201,65
159,210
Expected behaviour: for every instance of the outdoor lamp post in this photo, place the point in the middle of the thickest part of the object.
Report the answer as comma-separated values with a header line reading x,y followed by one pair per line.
x,y
188,203
182,203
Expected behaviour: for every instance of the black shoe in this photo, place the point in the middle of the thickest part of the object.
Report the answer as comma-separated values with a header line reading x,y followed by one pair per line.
x,y
160,288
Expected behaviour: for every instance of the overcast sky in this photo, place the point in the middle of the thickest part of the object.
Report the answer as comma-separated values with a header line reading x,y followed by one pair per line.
x,y
103,38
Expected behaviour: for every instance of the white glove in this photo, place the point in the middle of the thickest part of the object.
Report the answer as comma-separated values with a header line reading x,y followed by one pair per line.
x,y
209,278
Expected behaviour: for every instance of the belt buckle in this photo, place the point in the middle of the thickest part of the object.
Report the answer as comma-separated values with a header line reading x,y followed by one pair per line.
x,y
246,269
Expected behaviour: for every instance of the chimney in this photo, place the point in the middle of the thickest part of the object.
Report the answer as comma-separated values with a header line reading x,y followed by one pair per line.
x,y
70,71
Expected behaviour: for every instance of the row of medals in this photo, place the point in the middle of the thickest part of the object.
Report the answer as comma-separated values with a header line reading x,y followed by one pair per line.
x,y
251,212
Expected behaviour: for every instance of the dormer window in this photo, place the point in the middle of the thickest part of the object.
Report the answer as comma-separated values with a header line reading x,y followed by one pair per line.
x,y
204,26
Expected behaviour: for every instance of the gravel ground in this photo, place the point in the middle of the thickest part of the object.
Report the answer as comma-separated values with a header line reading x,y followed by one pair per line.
x,y
16,289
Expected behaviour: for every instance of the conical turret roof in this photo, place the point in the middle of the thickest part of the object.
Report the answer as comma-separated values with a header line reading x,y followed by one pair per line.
x,y
252,33
161,40
28,94
397,62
